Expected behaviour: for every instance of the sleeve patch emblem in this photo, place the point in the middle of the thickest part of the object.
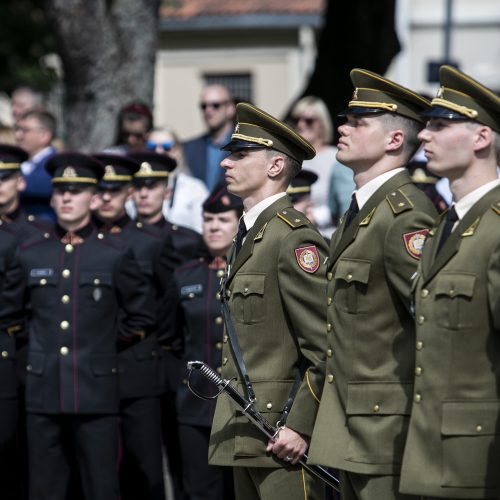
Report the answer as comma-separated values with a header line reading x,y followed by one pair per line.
x,y
414,242
307,258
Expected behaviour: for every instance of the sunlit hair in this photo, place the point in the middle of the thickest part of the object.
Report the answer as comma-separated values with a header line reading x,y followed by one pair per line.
x,y
410,128
318,107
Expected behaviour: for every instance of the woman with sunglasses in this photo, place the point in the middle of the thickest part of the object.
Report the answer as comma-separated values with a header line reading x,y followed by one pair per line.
x,y
332,193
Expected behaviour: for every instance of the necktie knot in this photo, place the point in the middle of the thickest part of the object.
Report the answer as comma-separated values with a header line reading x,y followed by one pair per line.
x,y
240,235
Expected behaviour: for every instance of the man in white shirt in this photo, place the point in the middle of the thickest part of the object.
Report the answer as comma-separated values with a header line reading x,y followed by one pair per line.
x,y
364,409
452,449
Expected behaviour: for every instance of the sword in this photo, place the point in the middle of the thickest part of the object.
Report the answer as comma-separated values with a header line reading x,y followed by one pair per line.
x,y
248,409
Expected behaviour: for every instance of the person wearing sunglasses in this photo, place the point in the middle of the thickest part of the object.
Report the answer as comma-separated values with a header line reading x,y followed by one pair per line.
x,y
203,153
331,195
185,193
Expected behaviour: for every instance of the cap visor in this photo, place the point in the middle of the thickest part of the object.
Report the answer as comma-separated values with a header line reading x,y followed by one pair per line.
x,y
440,112
362,111
235,145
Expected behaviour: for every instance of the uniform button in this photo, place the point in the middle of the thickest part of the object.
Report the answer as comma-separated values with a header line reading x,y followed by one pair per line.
x,y
31,217
69,248
218,320
175,227
424,293
329,353
217,296
329,276
139,225
224,362
97,281
46,235
418,371
65,299
220,273
417,398
479,428
66,273
100,236
64,351
284,212
218,346
420,345
376,408
228,293
224,339
329,327
329,379
269,406
420,320
5,354
329,301
191,295
113,370
245,290
64,325
452,292
43,281
29,368
219,370
349,277
184,381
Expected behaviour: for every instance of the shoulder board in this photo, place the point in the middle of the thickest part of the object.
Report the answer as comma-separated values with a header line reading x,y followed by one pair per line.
x,y
293,217
398,202
190,264
496,207
36,239
111,240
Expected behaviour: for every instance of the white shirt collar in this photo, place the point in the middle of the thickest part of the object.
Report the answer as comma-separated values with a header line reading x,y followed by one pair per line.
x,y
251,216
363,194
466,203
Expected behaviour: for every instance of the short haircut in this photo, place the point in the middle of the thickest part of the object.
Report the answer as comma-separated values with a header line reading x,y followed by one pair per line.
x,y
36,96
321,112
411,129
45,118
292,166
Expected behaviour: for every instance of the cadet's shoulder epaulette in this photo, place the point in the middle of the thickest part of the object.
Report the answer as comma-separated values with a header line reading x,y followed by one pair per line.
x,y
148,229
36,239
293,217
111,240
398,202
496,207
190,264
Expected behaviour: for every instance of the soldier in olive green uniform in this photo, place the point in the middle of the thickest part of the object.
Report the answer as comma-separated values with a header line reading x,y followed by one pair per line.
x,y
364,411
453,444
271,288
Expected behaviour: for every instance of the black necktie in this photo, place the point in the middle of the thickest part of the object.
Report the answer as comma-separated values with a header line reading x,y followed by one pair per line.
x,y
352,211
240,235
451,218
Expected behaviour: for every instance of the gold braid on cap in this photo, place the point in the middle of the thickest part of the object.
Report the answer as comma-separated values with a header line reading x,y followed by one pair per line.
x,y
257,140
117,177
369,104
8,166
67,180
295,190
463,110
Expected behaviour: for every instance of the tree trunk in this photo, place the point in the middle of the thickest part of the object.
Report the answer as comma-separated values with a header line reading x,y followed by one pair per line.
x,y
356,34
108,50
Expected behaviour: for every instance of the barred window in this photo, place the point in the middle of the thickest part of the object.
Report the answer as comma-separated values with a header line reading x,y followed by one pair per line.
x,y
239,85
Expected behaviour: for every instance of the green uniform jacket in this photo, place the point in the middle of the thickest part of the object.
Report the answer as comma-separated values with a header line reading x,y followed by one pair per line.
x,y
453,445
365,404
280,323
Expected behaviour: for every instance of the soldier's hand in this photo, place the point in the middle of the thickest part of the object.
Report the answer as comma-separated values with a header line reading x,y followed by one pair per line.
x,y
288,445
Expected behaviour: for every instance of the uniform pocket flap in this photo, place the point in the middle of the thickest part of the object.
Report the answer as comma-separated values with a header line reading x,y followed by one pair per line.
x,y
36,363
477,418
104,364
247,284
41,277
353,270
95,278
454,284
271,395
378,398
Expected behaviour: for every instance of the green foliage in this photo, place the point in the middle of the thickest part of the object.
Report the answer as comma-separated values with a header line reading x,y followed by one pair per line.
x,y
25,39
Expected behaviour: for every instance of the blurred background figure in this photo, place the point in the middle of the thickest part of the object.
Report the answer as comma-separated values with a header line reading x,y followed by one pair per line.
x,y
300,193
200,322
203,154
6,121
332,193
35,131
25,99
135,121
185,193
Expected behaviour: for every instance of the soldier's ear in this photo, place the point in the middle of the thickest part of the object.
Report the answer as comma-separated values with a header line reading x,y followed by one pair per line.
x,y
21,183
276,166
395,140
